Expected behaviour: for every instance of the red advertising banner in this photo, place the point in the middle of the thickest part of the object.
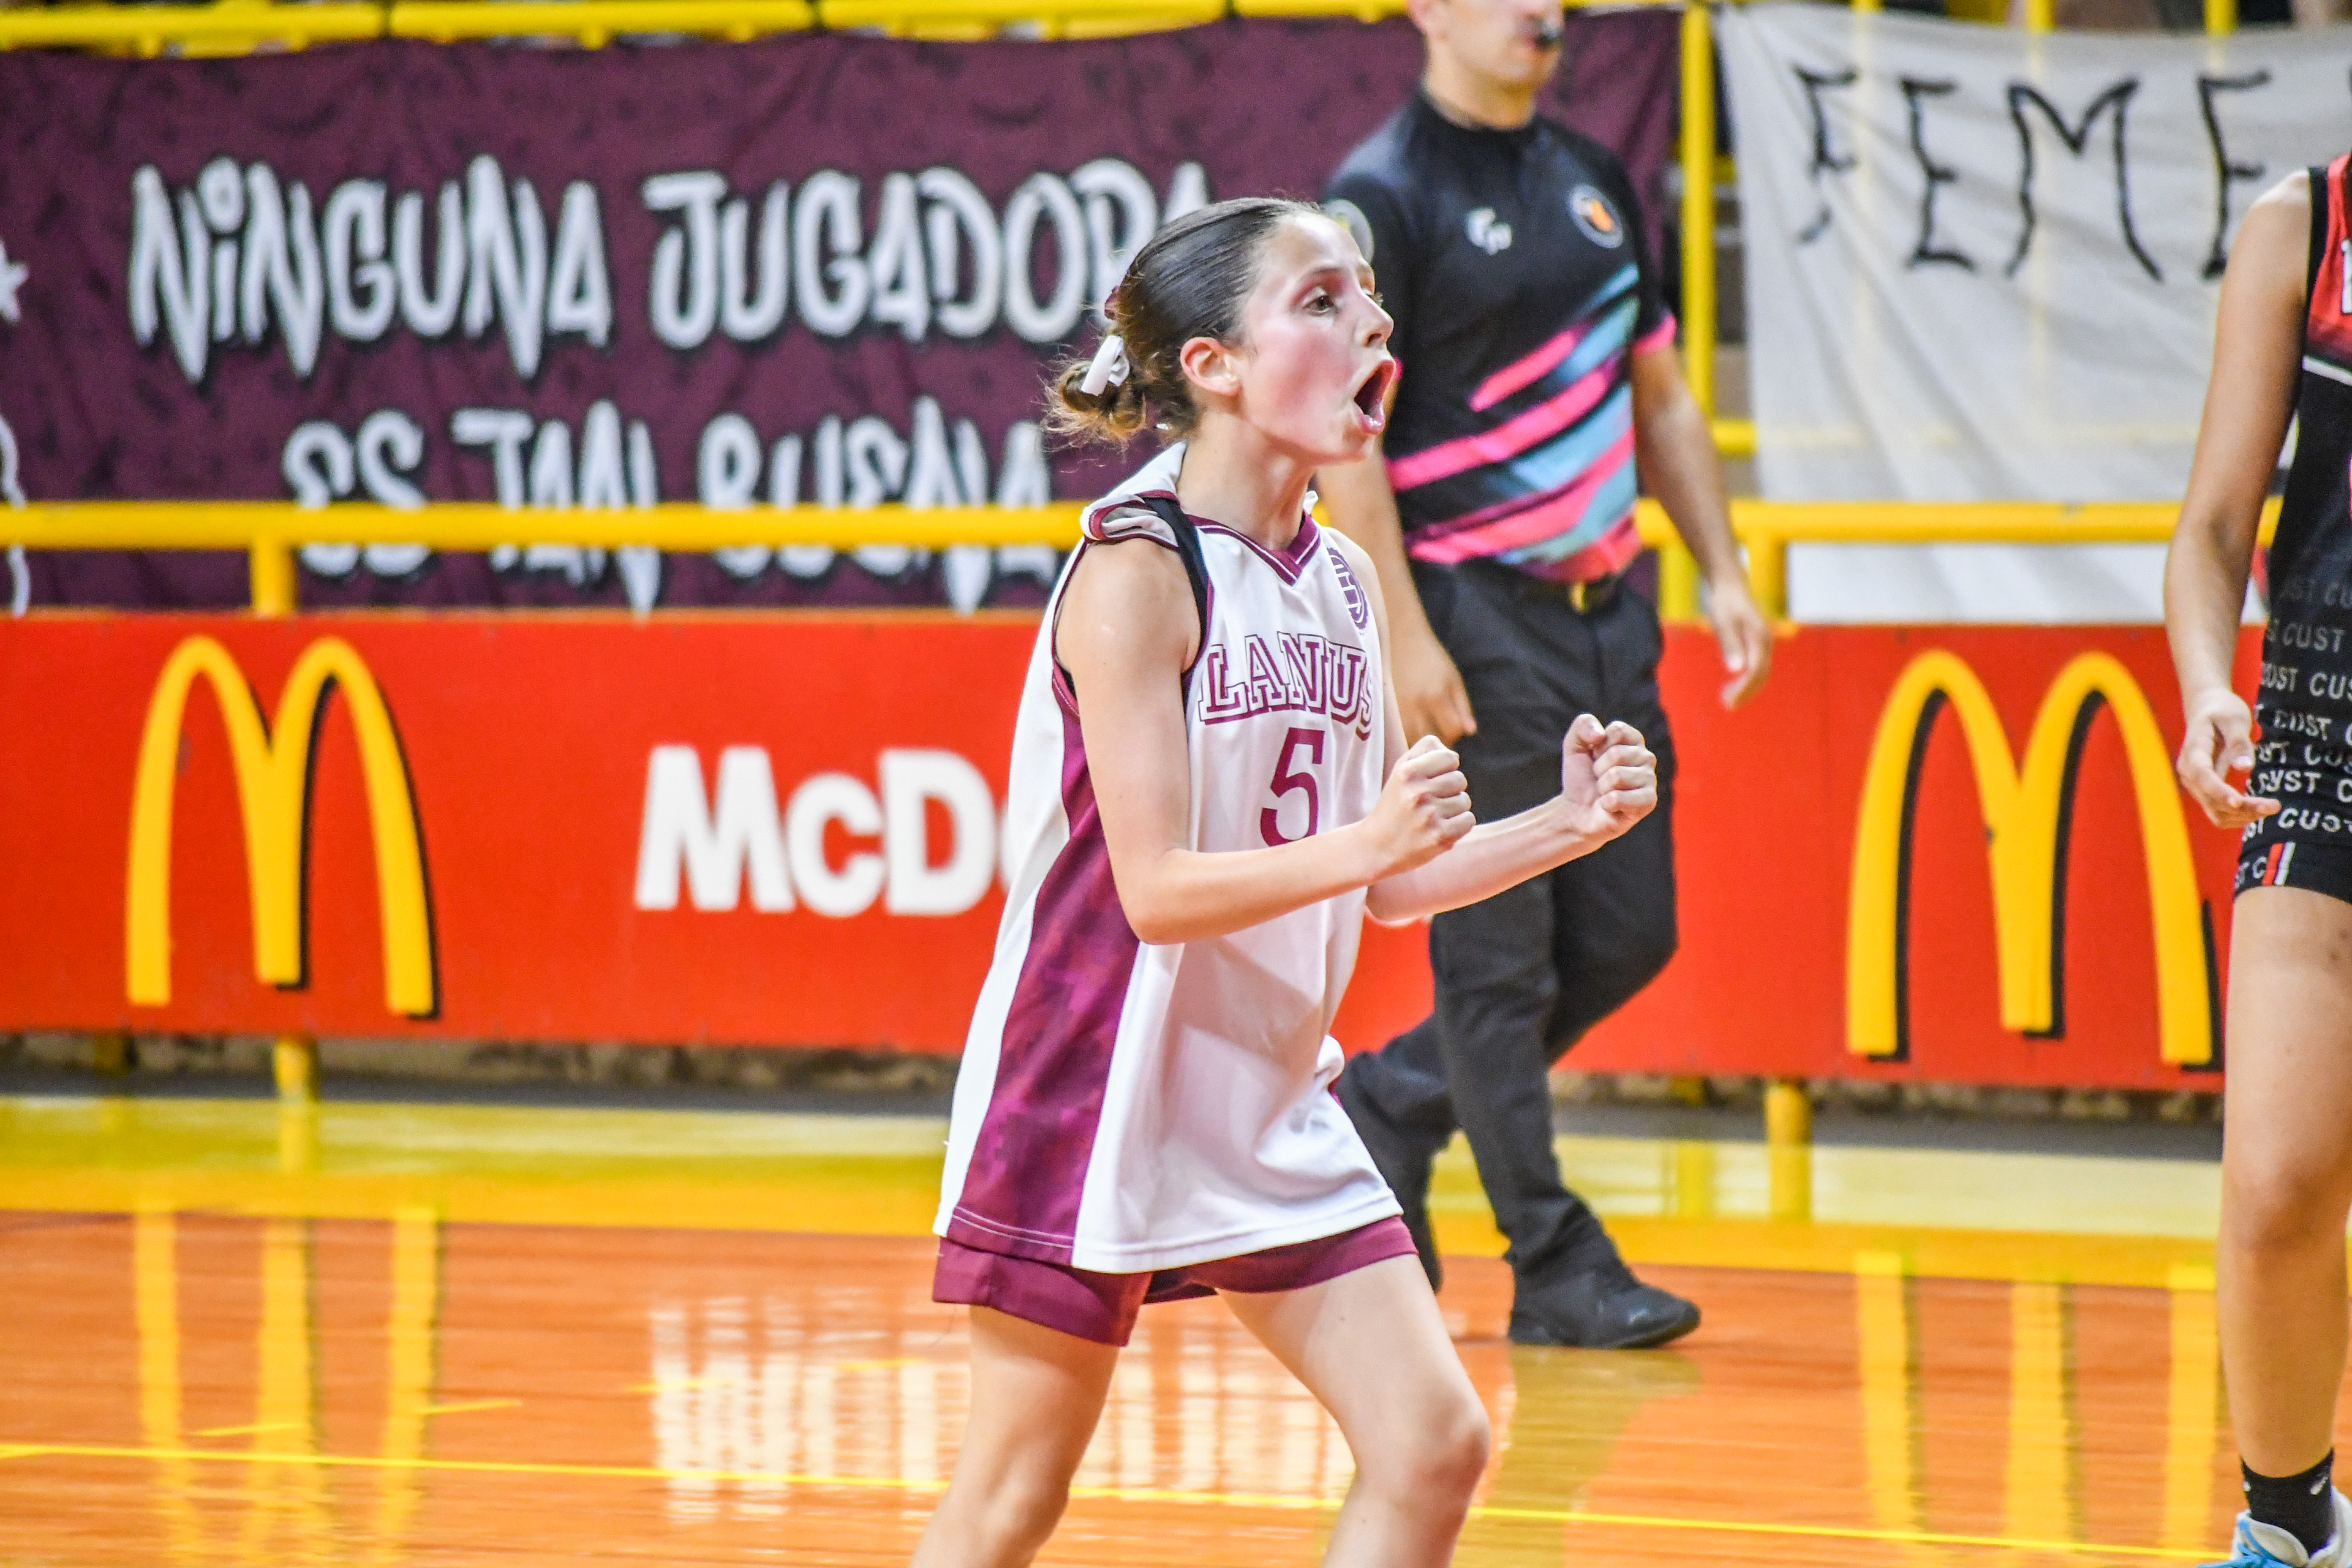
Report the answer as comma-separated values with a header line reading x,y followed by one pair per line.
x,y
1938,853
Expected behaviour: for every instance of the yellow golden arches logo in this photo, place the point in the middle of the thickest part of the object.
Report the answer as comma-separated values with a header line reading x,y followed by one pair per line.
x,y
273,789
2026,815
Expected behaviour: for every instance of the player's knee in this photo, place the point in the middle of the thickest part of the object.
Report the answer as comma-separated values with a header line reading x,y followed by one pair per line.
x,y
1019,1514
2283,1199
1458,1450
1445,1454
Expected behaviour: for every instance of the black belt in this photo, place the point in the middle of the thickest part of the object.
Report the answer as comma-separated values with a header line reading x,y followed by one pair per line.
x,y
1594,593
1588,597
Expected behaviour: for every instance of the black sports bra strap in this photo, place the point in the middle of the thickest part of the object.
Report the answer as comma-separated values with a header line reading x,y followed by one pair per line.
x,y
1196,572
1188,549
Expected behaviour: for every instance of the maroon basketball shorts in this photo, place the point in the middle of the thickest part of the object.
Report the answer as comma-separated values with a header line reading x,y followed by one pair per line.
x,y
1103,1307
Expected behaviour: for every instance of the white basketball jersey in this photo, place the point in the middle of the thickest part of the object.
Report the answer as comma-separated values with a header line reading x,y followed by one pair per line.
x,y
1124,1106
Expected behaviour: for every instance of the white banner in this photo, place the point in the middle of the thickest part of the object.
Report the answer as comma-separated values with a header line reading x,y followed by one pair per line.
x,y
1982,265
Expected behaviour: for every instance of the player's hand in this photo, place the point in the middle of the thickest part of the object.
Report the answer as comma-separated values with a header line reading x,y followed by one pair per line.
x,y
2221,741
1430,695
1423,811
1745,637
1608,777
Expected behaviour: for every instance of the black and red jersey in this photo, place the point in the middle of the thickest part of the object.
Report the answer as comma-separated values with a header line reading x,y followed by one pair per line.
x,y
2305,706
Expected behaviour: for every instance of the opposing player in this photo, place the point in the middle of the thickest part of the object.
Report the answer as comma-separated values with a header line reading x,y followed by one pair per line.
x,y
1198,823
2282,348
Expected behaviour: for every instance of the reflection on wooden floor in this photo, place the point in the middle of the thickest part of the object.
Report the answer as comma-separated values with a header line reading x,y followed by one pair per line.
x,y
184,1387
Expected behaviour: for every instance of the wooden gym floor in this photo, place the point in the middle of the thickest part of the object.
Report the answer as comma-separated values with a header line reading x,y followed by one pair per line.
x,y
393,1334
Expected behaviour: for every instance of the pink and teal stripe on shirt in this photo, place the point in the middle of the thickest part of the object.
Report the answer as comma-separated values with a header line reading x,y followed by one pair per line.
x,y
1547,485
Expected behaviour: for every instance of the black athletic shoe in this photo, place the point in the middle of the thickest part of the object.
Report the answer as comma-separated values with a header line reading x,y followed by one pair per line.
x,y
1604,1308
1404,1163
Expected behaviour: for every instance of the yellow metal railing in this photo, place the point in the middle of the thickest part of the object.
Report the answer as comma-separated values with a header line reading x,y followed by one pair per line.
x,y
240,26
270,532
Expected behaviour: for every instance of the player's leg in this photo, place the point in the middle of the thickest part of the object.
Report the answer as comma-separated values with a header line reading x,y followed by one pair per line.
x,y
1036,1393
2287,1185
1418,1432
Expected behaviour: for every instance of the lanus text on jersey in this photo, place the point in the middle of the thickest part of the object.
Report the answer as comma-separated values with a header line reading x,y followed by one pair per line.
x,y
1289,672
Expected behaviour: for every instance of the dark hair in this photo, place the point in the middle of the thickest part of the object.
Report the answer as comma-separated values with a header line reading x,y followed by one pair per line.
x,y
1190,281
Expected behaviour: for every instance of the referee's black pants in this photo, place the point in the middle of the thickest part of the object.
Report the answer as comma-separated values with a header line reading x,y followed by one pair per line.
x,y
1521,976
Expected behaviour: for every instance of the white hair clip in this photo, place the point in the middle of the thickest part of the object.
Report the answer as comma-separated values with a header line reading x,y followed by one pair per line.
x,y
1108,367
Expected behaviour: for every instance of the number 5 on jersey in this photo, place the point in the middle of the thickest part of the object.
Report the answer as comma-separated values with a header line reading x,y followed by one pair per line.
x,y
1289,779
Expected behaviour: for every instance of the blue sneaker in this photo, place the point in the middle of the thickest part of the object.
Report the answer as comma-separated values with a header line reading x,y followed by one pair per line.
x,y
2254,1544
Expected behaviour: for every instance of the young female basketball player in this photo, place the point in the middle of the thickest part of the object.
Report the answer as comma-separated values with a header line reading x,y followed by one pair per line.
x,y
2282,348
1197,825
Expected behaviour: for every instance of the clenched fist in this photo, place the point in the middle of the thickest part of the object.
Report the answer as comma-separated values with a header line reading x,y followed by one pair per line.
x,y
1424,810
1608,778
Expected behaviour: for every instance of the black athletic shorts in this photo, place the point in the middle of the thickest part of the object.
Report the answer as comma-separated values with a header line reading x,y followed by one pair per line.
x,y
2276,860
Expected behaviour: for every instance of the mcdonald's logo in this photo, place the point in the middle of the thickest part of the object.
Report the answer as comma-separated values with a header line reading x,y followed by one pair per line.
x,y
2027,821
274,766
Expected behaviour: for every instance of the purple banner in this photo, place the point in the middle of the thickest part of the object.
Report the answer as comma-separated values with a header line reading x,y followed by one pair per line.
x,y
816,268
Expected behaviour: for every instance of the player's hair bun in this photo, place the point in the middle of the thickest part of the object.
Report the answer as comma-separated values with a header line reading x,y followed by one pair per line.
x,y
1190,281
1116,413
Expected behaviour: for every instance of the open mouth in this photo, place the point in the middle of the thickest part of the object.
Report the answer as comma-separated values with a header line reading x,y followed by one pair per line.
x,y
1373,390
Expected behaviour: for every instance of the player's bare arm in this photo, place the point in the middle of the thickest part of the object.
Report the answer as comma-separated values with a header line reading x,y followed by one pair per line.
x,y
1675,451
2257,340
1126,633
1608,780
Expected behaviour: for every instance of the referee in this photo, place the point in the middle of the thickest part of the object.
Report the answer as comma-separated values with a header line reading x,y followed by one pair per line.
x,y
1538,371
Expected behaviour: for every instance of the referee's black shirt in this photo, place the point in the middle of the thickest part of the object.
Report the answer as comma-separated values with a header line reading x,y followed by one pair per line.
x,y
1514,264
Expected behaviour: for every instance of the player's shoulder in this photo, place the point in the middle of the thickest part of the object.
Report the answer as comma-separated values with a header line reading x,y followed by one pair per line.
x,y
1127,590
2287,200
2280,243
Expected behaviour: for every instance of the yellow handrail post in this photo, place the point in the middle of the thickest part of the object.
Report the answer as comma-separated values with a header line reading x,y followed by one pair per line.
x,y
294,1063
294,1060
1788,1149
1677,581
2040,16
1698,204
2220,16
270,573
109,1053
1767,570
1787,1113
